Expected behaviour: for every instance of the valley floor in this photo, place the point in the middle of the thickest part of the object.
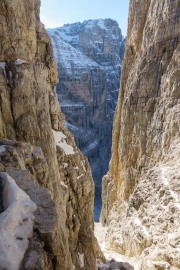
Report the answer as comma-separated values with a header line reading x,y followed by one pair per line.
x,y
100,233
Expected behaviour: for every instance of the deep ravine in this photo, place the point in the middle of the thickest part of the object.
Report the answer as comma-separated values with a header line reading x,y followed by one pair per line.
x,y
47,216
89,58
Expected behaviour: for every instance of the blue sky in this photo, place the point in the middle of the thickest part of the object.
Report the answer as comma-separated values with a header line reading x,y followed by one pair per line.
x,y
55,13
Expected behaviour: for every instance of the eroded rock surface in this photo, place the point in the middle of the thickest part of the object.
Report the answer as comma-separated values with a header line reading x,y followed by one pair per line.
x,y
89,57
58,181
141,195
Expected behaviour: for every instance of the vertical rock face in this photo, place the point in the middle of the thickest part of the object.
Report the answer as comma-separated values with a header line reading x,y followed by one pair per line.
x,y
36,149
141,195
89,57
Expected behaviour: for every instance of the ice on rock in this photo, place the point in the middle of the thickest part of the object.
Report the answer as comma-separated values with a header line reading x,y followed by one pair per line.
x,y
16,224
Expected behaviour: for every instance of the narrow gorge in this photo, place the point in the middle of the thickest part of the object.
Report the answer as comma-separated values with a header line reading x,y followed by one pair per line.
x,y
46,185
89,58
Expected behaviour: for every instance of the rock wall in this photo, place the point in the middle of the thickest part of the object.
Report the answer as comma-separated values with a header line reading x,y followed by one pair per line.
x,y
141,195
37,150
89,57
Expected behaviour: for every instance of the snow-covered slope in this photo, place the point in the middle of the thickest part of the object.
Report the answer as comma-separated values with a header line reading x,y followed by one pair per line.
x,y
69,57
16,224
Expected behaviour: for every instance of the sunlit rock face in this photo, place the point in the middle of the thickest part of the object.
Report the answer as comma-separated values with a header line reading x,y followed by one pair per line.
x,y
37,150
89,57
141,195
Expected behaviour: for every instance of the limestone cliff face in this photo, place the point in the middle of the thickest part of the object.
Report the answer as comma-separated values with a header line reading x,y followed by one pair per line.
x,y
36,149
141,195
89,57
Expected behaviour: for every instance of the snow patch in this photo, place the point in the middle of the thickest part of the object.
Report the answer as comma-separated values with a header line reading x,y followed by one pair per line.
x,y
171,236
16,224
146,231
101,24
2,149
68,56
81,259
19,62
2,65
89,24
65,165
174,195
63,184
164,175
69,38
78,177
177,205
82,162
137,221
163,206
60,140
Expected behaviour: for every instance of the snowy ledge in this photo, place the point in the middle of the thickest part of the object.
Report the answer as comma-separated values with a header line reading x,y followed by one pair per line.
x,y
16,224
19,62
2,65
60,140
